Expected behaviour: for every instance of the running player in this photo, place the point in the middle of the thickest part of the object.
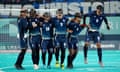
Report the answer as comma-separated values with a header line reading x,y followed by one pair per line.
x,y
47,39
35,37
60,25
74,29
22,28
96,18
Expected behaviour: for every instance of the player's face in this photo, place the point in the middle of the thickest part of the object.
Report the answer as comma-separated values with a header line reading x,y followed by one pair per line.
x,y
32,14
24,14
99,11
78,20
47,18
59,16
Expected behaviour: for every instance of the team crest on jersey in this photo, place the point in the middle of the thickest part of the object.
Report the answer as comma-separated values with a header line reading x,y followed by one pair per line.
x,y
35,19
97,20
50,25
74,26
101,18
77,29
57,20
47,29
61,24
63,20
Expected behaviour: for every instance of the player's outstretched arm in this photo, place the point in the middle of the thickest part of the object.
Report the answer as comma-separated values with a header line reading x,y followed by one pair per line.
x,y
107,24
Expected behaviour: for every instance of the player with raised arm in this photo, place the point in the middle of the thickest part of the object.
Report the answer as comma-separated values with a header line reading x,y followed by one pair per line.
x,y
96,19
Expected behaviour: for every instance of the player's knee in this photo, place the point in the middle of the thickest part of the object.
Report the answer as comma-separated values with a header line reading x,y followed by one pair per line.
x,y
98,45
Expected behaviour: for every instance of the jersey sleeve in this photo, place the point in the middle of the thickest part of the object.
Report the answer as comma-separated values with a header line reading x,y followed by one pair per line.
x,y
87,15
70,26
19,21
105,20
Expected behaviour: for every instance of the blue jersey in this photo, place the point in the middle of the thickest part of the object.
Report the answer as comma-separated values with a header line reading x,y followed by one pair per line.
x,y
96,20
60,25
22,26
35,30
75,27
47,30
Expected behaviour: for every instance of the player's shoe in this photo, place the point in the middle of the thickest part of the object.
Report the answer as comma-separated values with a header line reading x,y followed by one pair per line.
x,y
36,67
62,66
44,67
57,64
85,61
19,67
49,67
101,64
70,66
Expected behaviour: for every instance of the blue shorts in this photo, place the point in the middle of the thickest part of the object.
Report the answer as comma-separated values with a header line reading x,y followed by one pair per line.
x,y
35,41
23,43
60,41
47,44
93,36
73,43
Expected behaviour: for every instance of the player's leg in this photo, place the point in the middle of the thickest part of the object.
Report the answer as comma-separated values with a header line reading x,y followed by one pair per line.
x,y
50,53
99,52
38,49
70,48
34,58
62,58
57,47
20,59
33,45
63,45
99,49
57,54
44,45
69,59
37,55
21,55
75,50
85,52
85,48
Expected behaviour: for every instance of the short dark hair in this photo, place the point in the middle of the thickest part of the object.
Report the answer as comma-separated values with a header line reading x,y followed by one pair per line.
x,y
24,11
59,11
46,14
32,11
78,15
100,7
